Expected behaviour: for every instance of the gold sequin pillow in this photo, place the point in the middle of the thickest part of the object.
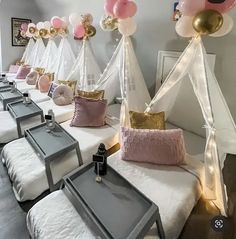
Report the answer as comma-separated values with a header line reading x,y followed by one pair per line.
x,y
95,95
70,83
147,120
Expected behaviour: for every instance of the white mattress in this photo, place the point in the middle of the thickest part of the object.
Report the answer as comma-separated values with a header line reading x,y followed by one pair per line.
x,y
173,189
27,171
23,86
8,128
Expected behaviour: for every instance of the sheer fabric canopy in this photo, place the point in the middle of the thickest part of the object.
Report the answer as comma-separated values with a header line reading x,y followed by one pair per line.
x,y
26,55
220,127
85,69
64,61
49,56
37,53
123,77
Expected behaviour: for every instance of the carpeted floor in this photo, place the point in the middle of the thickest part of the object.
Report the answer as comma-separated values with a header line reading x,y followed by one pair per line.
x,y
12,217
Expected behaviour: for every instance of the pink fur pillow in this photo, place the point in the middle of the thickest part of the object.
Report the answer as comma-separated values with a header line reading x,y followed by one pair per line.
x,y
89,112
164,147
62,95
44,83
13,68
32,78
23,72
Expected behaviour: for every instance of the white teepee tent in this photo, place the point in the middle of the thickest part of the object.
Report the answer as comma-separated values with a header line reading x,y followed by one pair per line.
x,y
26,55
123,77
220,127
49,56
37,53
85,69
65,60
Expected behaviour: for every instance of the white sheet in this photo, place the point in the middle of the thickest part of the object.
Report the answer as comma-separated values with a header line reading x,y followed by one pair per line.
x,y
27,171
173,189
8,128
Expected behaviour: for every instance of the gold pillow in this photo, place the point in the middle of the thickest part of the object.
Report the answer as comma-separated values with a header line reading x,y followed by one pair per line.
x,y
39,70
95,95
70,83
147,120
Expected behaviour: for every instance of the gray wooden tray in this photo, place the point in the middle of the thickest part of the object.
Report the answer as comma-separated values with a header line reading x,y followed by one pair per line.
x,y
113,208
50,145
6,96
4,84
21,111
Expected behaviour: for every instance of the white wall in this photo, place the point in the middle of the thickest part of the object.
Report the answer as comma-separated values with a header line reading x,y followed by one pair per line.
x,y
19,9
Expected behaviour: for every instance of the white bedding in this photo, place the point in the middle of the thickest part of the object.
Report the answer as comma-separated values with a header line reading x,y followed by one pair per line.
x,y
27,171
8,128
173,189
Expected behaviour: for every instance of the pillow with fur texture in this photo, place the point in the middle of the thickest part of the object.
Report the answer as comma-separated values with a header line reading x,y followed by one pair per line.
x,y
44,83
32,78
62,95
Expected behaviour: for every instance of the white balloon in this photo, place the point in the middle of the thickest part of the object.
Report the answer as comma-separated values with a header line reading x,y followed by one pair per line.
x,y
31,25
47,25
127,27
28,34
74,19
65,22
226,27
40,25
184,27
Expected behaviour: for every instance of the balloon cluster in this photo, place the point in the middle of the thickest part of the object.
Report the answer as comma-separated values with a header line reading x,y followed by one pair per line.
x,y
82,26
40,30
204,17
119,15
59,26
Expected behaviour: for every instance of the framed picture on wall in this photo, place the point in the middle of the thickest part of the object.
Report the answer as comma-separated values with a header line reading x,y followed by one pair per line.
x,y
17,39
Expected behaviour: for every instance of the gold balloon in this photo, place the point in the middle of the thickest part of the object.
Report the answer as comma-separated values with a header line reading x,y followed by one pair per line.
x,y
32,30
43,32
207,22
90,31
53,32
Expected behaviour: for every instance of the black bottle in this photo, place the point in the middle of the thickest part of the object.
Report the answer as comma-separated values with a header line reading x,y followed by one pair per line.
x,y
100,159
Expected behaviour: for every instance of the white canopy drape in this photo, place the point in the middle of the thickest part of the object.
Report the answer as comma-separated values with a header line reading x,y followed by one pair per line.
x,y
49,57
123,77
26,55
37,53
220,127
85,69
65,60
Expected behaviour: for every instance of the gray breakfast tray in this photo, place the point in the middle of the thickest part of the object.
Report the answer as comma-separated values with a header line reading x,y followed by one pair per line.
x,y
21,112
4,84
6,96
49,145
114,208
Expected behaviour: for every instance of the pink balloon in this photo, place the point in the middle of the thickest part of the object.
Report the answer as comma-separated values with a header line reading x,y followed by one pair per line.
x,y
191,7
124,9
57,22
24,26
131,8
109,5
79,31
222,7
